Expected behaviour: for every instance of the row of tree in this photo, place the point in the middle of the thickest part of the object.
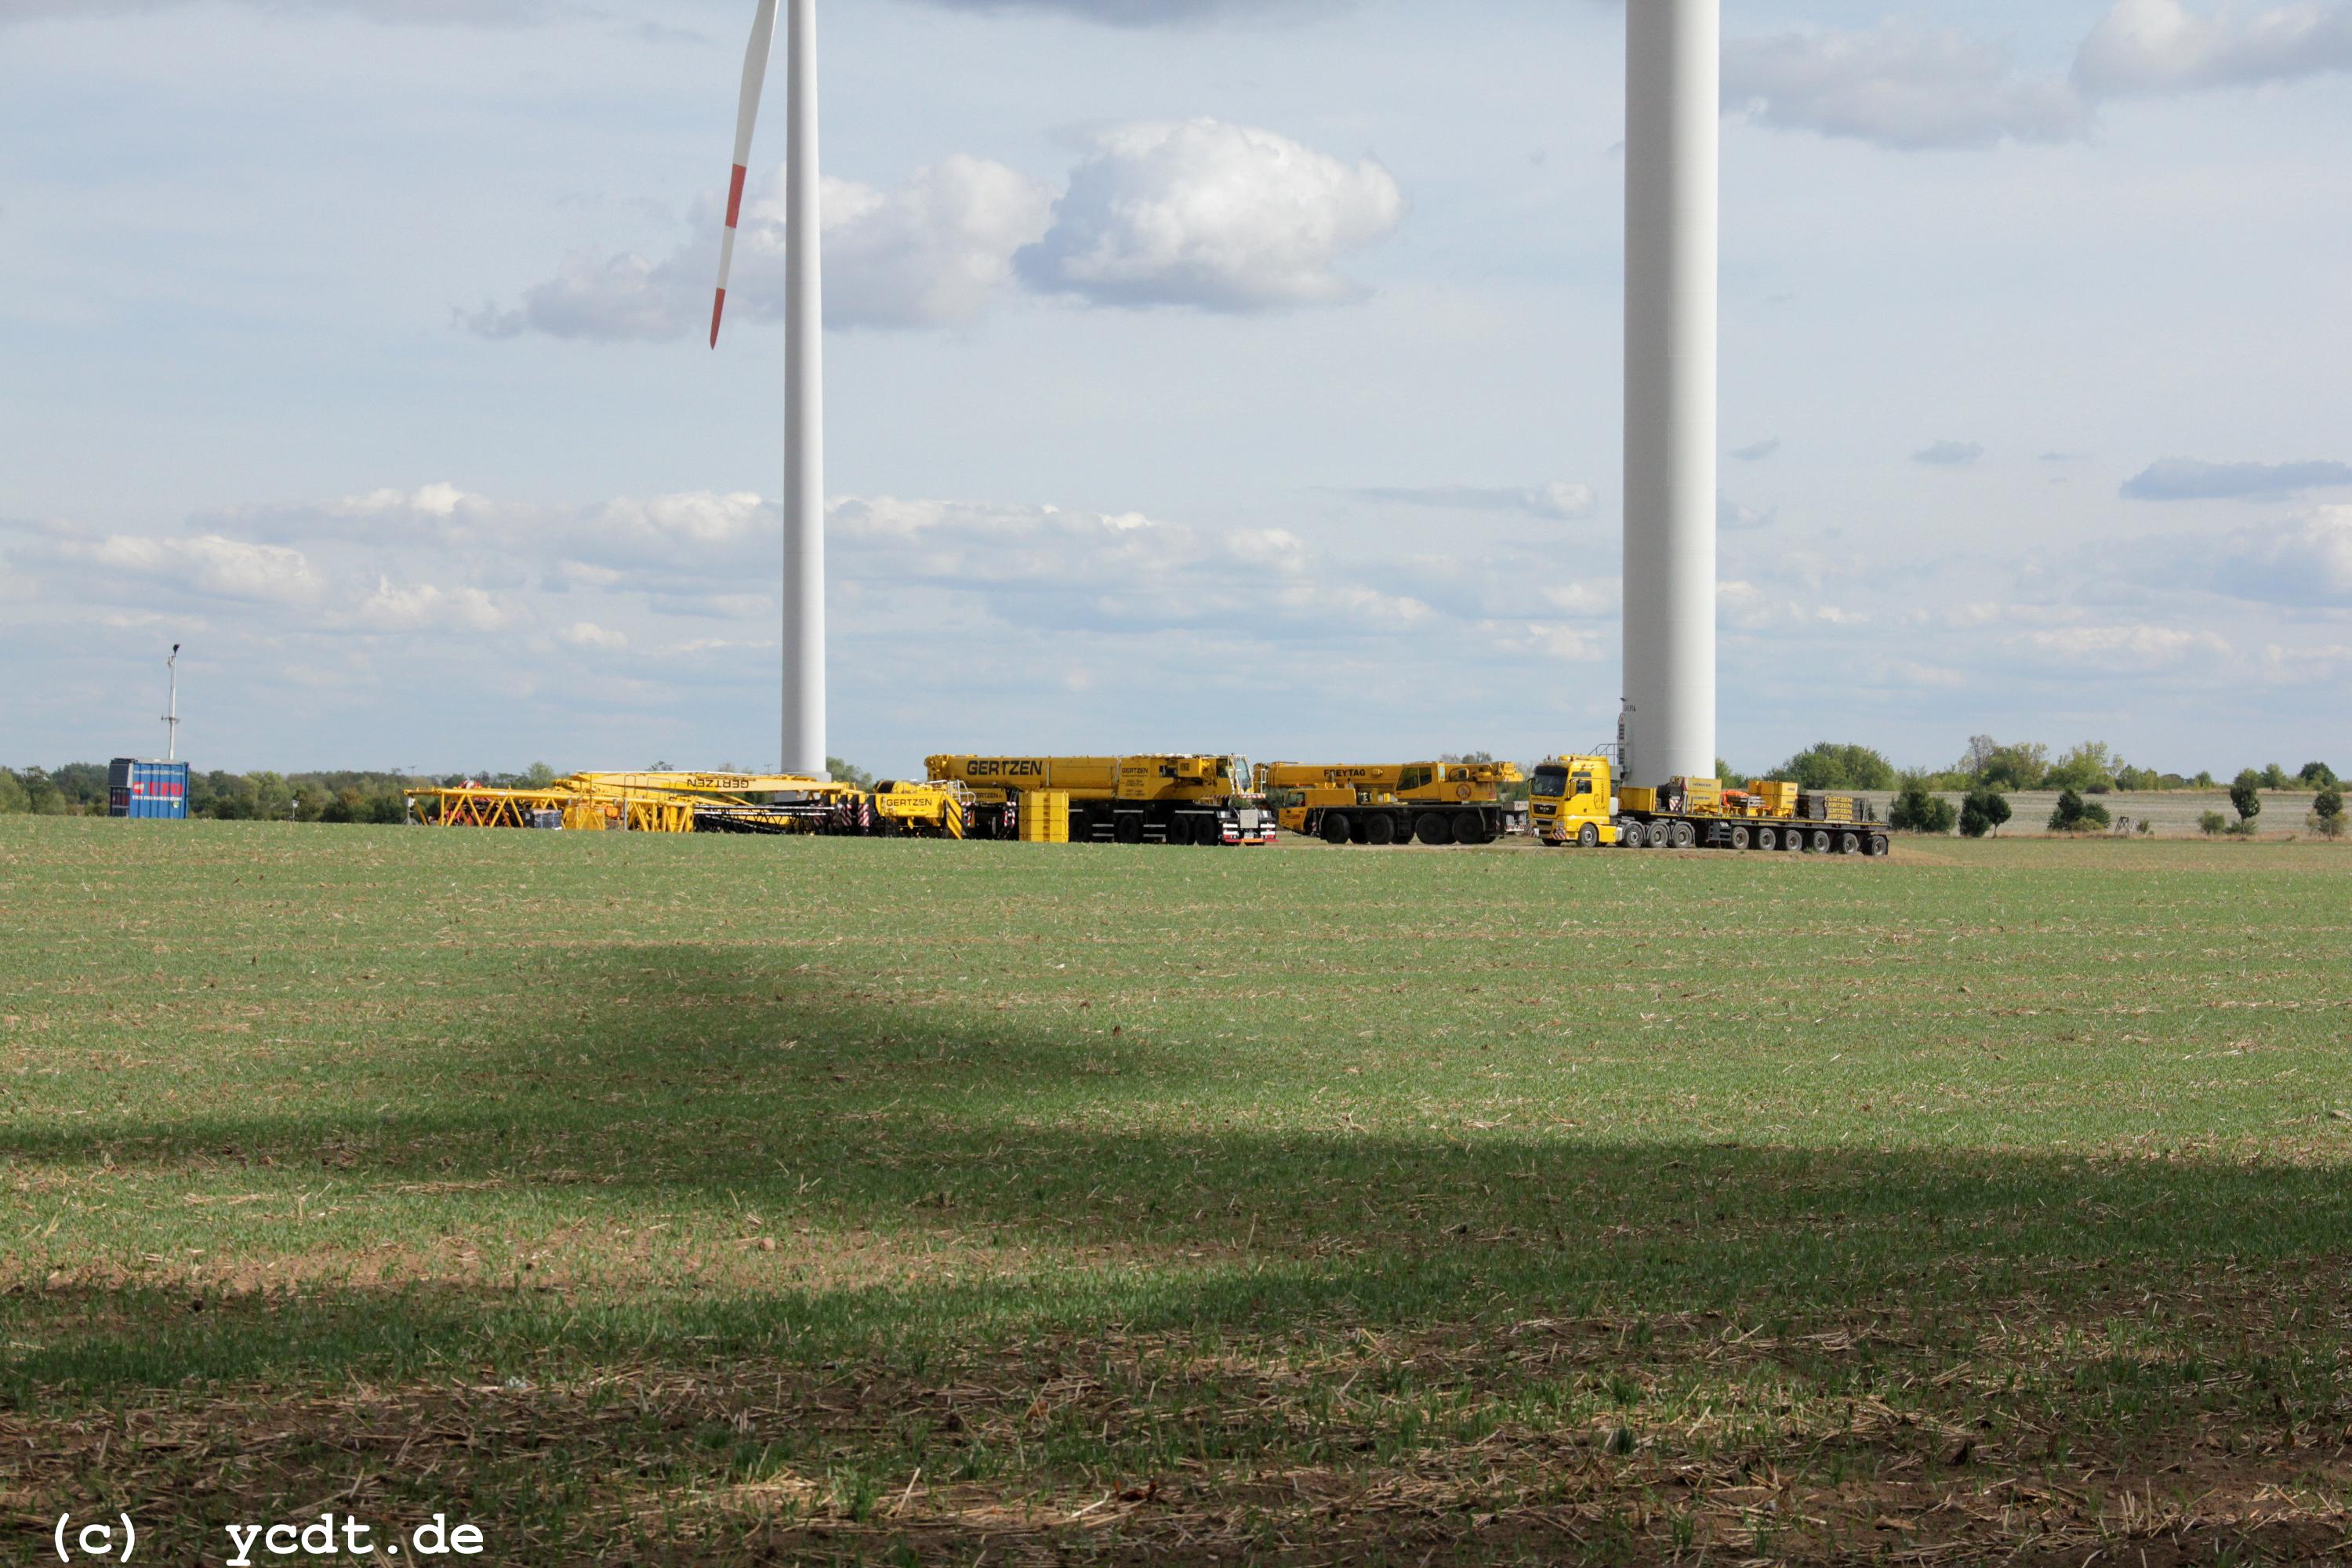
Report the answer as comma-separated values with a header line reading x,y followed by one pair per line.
x,y
2091,768
78,789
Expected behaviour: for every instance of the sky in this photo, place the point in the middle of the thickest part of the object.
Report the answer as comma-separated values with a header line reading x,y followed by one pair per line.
x,y
1203,375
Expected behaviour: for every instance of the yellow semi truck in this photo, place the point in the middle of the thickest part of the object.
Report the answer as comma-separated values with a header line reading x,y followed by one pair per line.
x,y
1390,803
1174,799
1577,801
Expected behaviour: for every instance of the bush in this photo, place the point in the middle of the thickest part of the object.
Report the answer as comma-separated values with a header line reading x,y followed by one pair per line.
x,y
1832,766
2248,799
14,799
2327,813
2075,815
2212,825
1916,811
1983,812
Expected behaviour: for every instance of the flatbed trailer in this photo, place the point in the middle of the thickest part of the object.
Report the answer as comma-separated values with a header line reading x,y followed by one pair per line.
x,y
1576,804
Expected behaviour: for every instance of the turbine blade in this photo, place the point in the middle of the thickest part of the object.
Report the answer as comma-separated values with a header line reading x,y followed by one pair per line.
x,y
755,75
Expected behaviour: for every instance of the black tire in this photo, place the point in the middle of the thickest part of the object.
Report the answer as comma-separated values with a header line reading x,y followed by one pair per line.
x,y
1380,828
1849,842
1686,835
1128,828
1881,845
1470,829
1741,838
1432,829
1819,842
1336,829
1208,832
1767,839
1587,836
1793,841
1630,836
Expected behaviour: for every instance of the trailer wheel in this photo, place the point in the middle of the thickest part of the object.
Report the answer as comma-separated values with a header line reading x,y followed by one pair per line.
x,y
1630,836
1767,839
1432,829
1686,835
1849,842
1880,846
1587,836
1129,828
1741,838
1334,827
1820,845
1380,829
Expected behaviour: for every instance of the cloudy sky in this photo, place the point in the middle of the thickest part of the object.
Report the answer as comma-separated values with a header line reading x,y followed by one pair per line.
x,y
1205,375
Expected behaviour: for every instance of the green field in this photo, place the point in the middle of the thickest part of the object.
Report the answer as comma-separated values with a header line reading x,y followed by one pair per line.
x,y
722,1201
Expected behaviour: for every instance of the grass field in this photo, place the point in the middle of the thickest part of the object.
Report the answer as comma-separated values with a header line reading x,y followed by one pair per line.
x,y
729,1201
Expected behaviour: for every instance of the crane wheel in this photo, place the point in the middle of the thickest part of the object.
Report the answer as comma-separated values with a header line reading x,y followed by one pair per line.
x,y
1432,829
1741,838
1128,829
1767,839
1335,828
1587,836
1470,828
1380,829
1686,835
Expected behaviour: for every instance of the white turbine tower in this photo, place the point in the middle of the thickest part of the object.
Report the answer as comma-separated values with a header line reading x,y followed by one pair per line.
x,y
804,747
1673,68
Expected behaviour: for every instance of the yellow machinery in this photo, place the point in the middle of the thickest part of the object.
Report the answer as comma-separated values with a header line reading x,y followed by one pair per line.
x,y
1045,817
1171,799
656,803
1575,800
1390,803
930,810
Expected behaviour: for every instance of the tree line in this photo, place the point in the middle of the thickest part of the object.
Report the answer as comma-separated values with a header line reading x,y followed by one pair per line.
x,y
78,789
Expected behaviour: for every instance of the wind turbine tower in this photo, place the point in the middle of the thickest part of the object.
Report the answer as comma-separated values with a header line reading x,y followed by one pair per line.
x,y
804,585
1673,69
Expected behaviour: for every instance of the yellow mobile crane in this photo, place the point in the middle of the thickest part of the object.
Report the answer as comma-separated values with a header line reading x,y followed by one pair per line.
x,y
1390,802
1575,801
1181,799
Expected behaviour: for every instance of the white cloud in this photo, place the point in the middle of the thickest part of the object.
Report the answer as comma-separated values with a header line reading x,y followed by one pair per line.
x,y
2162,46
2125,650
209,564
589,635
1201,213
1901,85
1735,516
2307,561
1558,501
425,608
1154,12
466,12
934,252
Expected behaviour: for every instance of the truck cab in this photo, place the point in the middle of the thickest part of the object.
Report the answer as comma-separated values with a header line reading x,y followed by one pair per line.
x,y
1572,800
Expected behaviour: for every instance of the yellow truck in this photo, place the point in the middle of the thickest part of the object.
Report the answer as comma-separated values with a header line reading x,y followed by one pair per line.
x,y
1577,801
1390,803
1176,799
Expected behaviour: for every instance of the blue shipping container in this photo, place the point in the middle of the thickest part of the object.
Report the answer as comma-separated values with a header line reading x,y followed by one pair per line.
x,y
158,790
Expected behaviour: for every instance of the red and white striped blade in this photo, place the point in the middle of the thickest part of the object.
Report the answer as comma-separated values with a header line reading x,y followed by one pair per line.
x,y
755,74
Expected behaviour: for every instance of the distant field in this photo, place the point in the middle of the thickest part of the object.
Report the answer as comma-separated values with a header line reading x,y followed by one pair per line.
x,y
2173,812
731,1201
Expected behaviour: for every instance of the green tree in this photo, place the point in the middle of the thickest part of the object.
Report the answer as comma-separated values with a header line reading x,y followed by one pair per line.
x,y
2074,814
1983,812
2090,768
2277,777
845,772
1832,766
539,775
2318,776
1996,766
2327,813
2204,779
14,800
1916,811
2248,799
